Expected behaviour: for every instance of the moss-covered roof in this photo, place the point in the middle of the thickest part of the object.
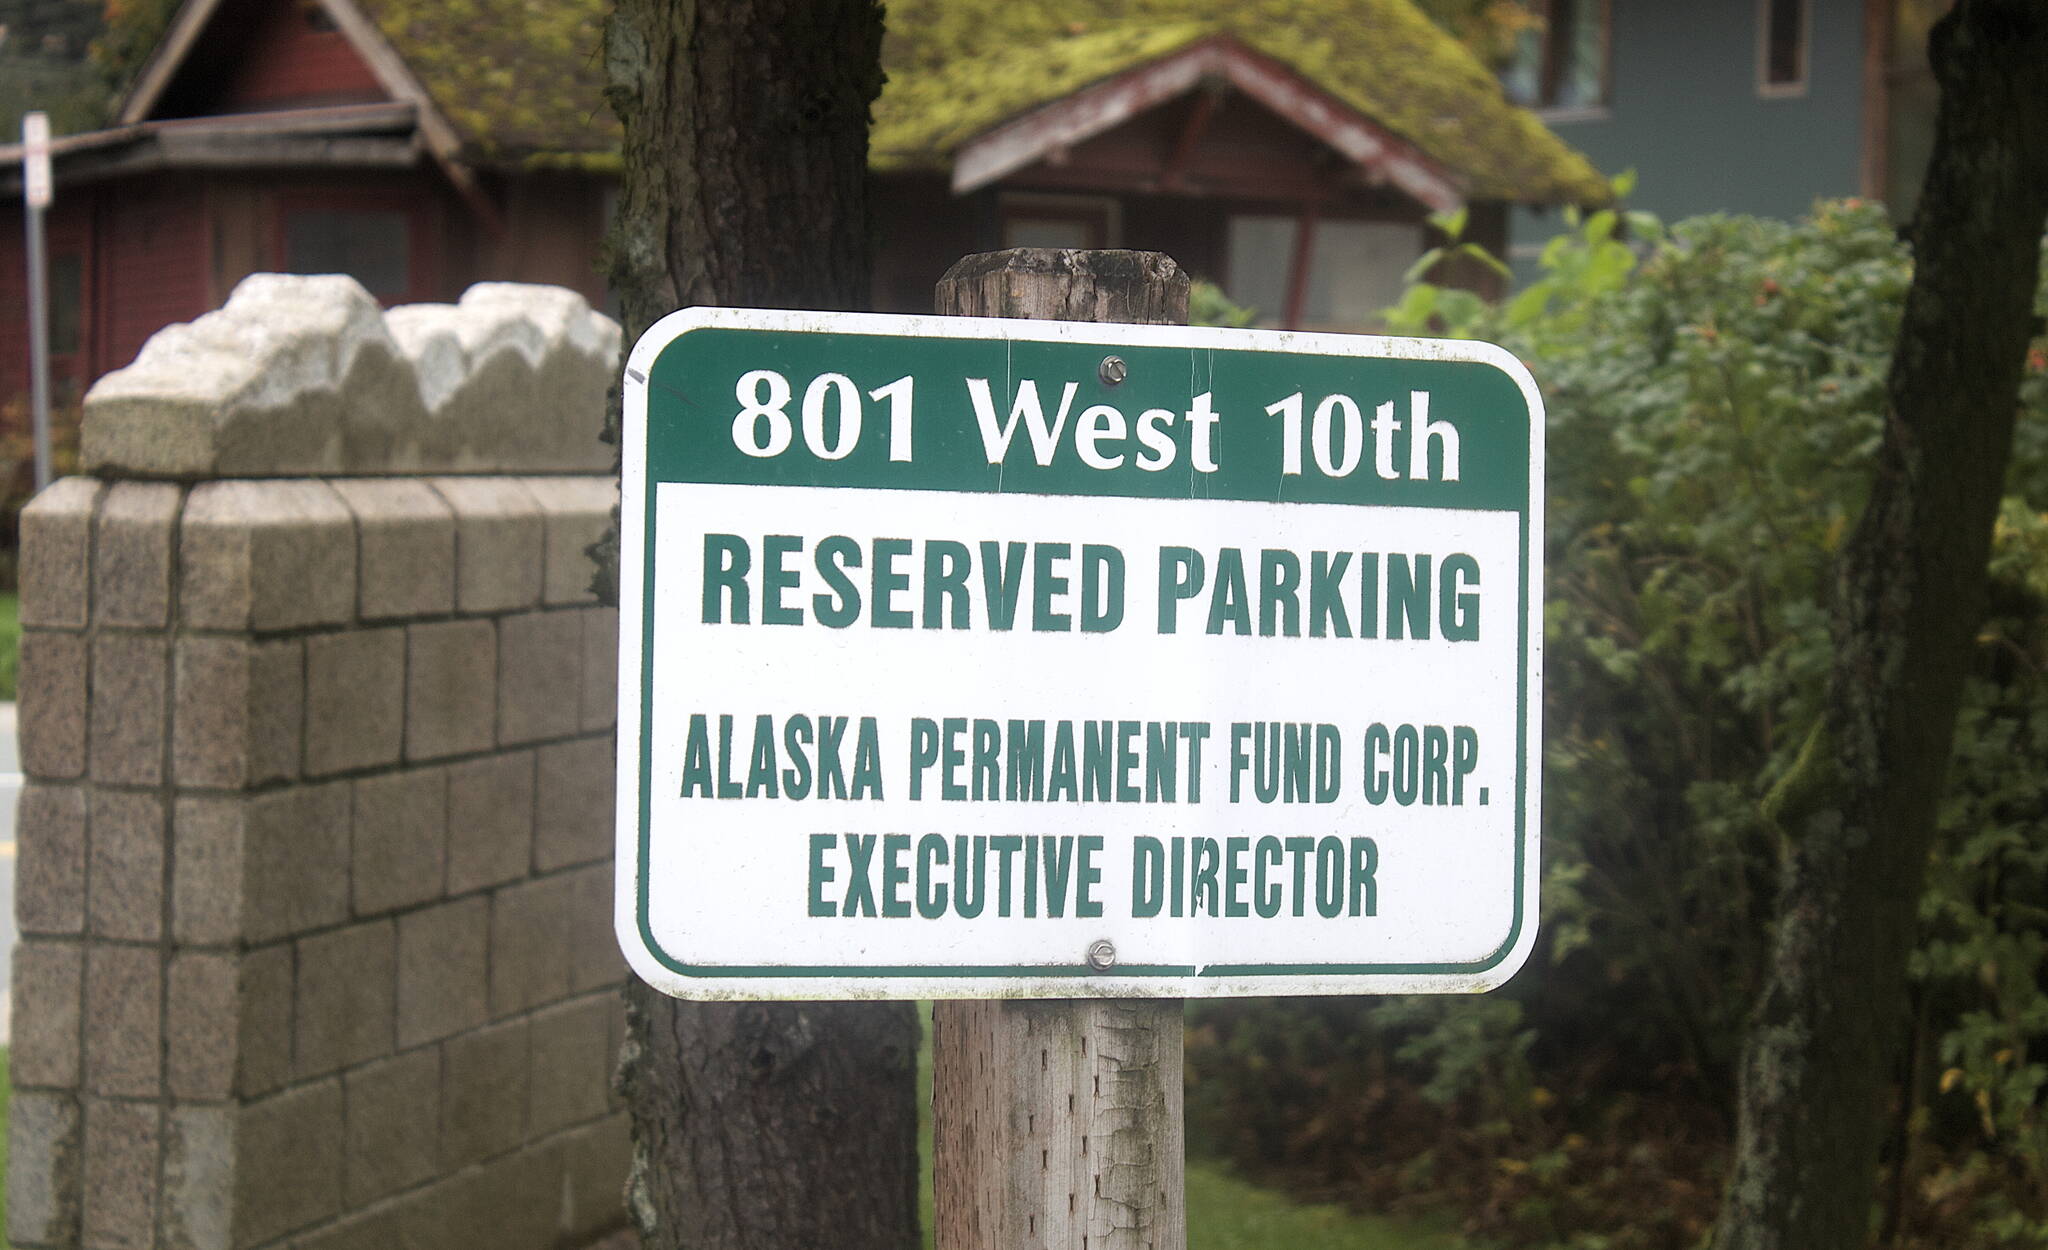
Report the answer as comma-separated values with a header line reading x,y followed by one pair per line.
x,y
516,77
523,79
958,67
933,103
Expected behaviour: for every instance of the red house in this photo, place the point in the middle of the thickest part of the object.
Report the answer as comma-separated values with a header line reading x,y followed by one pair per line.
x,y
1289,151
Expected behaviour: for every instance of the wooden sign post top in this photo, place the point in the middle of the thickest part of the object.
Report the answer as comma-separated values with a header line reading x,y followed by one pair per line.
x,y
1060,1124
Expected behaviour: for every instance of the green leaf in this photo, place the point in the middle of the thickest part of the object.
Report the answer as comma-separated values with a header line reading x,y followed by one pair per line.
x,y
1486,258
1460,311
1529,305
1423,264
1608,266
1412,314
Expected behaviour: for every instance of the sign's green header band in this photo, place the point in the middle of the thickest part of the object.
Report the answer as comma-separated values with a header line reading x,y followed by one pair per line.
x,y
708,376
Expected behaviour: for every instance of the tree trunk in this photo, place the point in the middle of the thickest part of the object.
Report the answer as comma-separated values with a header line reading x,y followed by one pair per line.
x,y
765,1126
1858,811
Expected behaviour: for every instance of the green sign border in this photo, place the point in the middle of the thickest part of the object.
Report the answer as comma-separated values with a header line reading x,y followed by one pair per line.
x,y
671,329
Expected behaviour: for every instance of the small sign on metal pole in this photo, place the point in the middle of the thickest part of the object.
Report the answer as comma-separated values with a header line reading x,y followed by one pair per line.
x,y
37,192
35,159
986,658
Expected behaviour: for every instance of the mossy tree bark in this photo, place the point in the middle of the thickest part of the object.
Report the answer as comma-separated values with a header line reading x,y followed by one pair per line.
x,y
1858,813
756,1125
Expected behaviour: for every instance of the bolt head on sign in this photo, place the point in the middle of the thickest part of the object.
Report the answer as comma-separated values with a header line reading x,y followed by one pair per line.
x,y
957,662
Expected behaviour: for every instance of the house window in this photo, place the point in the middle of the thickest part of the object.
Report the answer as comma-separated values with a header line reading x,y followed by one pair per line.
x,y
67,302
1560,59
1354,269
372,246
1782,29
1074,221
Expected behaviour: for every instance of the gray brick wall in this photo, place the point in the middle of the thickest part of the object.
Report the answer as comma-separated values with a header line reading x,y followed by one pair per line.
x,y
314,877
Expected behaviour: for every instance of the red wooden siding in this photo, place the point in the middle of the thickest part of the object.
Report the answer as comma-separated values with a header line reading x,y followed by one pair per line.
x,y
14,300
552,224
69,236
404,199
923,228
294,56
154,267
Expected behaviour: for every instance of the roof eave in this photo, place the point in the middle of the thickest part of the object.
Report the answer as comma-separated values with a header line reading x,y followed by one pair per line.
x,y
377,52
1012,144
155,76
380,137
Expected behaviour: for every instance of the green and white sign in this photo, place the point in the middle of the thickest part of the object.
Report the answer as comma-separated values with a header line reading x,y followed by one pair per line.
x,y
986,658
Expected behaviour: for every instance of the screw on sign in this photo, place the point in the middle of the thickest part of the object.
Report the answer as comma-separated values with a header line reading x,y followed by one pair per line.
x,y
1101,955
1060,671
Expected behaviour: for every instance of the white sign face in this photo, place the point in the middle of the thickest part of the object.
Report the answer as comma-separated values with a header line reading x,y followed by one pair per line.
x,y
35,160
950,669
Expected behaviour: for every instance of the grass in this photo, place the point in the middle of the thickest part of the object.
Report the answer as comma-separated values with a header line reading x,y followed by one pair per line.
x,y
1224,1212
10,643
6,1089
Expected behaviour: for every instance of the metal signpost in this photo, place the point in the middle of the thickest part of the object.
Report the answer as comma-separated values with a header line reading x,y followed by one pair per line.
x,y
970,658
37,191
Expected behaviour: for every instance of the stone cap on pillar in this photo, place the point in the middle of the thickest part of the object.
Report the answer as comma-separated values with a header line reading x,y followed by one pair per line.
x,y
306,376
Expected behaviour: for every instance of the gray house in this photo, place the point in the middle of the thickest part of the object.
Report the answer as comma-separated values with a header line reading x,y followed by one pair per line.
x,y
1742,106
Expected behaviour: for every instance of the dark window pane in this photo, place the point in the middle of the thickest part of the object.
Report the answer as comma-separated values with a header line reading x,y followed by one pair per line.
x,y
1560,59
1785,47
1581,38
67,289
371,247
1523,77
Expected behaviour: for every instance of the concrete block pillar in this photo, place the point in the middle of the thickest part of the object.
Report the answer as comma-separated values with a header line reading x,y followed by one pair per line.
x,y
315,707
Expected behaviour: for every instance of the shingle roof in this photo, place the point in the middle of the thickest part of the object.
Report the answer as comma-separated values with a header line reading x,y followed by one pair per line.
x,y
523,79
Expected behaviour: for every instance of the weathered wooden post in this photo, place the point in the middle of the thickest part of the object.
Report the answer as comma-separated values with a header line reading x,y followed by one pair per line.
x,y
1058,1123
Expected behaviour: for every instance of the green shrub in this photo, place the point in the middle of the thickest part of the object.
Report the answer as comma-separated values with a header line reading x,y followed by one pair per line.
x,y
18,469
10,644
1714,400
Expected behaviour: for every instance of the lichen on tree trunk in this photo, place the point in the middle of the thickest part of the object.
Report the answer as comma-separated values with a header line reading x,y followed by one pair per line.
x,y
756,1125
1859,821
